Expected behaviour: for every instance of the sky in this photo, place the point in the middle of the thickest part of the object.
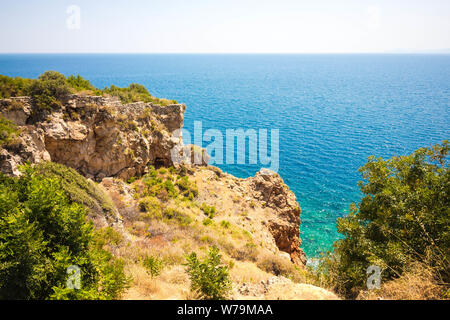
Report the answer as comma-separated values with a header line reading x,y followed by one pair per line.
x,y
225,26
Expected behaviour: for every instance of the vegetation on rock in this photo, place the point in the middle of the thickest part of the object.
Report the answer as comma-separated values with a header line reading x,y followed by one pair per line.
x,y
403,219
8,132
42,234
51,87
78,188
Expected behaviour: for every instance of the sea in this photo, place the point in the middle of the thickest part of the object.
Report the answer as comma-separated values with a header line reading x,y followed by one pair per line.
x,y
332,111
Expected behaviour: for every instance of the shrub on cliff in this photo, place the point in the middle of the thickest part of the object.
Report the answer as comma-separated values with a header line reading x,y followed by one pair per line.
x,y
14,87
42,234
51,87
77,188
79,84
404,217
48,91
8,132
135,92
210,279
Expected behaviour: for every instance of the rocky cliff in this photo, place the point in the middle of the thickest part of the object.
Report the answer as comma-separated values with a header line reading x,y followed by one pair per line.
x,y
99,137
255,221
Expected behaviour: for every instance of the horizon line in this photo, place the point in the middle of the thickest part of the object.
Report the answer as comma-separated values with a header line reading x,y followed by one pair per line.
x,y
243,53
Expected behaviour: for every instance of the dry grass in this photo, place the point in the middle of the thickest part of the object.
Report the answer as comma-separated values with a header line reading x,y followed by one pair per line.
x,y
173,284
249,255
416,284
248,272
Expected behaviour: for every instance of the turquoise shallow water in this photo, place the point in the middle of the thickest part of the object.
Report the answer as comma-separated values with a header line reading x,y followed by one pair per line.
x,y
333,111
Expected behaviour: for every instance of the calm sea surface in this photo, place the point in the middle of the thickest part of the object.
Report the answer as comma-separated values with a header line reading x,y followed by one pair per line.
x,y
332,111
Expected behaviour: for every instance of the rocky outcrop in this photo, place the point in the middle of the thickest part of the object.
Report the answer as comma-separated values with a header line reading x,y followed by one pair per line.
x,y
263,204
98,136
284,225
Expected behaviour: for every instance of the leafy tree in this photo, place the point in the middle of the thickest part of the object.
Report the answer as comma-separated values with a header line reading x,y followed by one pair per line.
x,y
210,279
42,233
403,217
48,91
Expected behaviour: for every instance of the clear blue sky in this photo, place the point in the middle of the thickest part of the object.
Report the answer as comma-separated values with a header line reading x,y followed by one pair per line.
x,y
225,26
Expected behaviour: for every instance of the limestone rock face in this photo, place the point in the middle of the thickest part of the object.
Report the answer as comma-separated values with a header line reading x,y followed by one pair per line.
x,y
284,225
98,136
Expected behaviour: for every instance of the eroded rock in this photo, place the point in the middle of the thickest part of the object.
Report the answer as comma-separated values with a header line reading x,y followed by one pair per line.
x,y
98,136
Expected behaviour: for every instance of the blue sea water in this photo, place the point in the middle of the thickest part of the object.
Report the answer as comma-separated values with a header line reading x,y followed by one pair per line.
x,y
332,111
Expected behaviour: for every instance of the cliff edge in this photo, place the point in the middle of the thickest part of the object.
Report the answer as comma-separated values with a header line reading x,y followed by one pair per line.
x,y
167,209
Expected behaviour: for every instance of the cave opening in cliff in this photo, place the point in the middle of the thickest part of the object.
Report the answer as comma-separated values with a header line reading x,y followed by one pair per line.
x,y
159,162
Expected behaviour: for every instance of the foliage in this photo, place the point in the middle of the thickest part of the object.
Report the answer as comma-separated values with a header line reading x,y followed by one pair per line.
x,y
78,188
80,84
153,265
187,188
161,184
207,221
42,233
210,279
108,236
8,132
173,214
403,217
151,205
225,224
209,211
135,92
51,87
49,90
14,87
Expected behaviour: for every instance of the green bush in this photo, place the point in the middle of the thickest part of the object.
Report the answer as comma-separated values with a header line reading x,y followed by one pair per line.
x,y
170,188
14,87
42,233
207,221
403,217
154,265
133,93
108,236
78,188
80,84
8,132
182,218
225,224
187,188
51,87
209,211
210,278
49,90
